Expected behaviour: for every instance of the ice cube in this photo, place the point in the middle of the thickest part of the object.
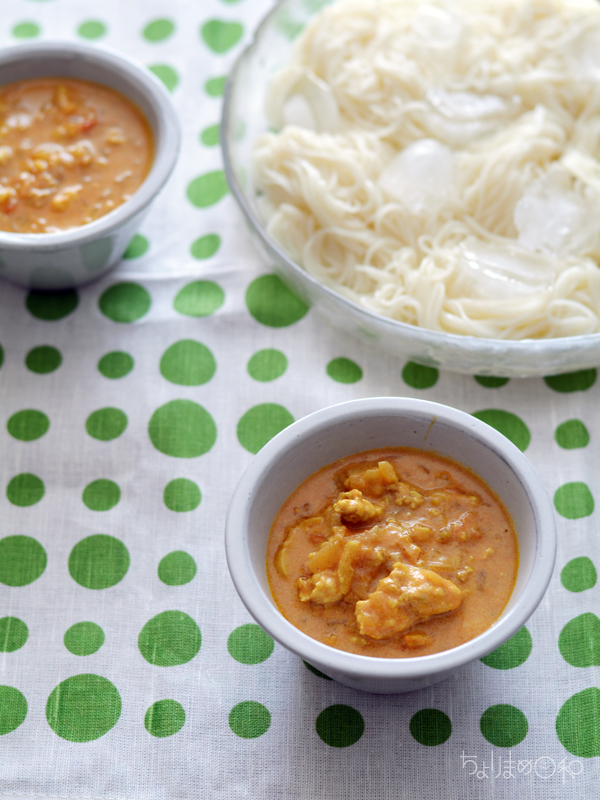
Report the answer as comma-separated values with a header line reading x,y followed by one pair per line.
x,y
298,96
297,111
437,26
422,176
467,105
460,117
505,271
584,54
553,219
437,35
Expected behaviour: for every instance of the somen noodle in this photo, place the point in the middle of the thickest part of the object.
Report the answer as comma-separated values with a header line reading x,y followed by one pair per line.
x,y
438,162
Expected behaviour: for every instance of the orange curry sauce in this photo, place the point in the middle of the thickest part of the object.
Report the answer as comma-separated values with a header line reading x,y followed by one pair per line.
x,y
70,152
392,553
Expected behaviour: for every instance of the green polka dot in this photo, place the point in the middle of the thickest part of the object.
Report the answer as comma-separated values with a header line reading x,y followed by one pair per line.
x,y
164,718
579,641
101,495
221,36
267,365
572,434
199,299
430,727
574,500
188,363
316,671
43,359
158,30
249,719
25,489
125,302
210,136
419,376
260,424
26,30
115,365
340,725
83,708
206,246
271,303
28,425
508,425
579,574
215,86
84,638
22,560
572,381
182,429
249,644
207,189
512,653
51,306
92,29
169,639
577,723
106,424
177,568
136,247
13,709
181,495
490,382
98,561
13,634
503,725
166,74
343,370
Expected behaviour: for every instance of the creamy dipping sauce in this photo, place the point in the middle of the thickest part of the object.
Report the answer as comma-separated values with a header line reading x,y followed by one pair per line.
x,y
392,553
71,151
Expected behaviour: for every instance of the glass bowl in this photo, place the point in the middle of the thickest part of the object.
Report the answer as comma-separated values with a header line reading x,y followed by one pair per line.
x,y
244,121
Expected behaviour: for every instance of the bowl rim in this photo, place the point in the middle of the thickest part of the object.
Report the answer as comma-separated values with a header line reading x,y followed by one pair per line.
x,y
265,612
167,137
478,346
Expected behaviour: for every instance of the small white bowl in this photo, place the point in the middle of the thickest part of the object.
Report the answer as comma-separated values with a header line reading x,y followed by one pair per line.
x,y
79,255
332,433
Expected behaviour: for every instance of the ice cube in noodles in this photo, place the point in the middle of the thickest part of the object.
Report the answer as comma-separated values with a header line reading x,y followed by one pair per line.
x,y
461,117
551,218
584,55
422,176
437,27
299,97
502,272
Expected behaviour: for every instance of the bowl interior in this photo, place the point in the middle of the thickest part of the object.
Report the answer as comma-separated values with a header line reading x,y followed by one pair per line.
x,y
244,121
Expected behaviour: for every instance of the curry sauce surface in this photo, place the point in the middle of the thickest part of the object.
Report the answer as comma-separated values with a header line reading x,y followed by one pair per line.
x,y
71,151
392,553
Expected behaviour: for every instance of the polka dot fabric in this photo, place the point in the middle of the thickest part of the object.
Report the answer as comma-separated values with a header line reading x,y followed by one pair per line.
x,y
128,411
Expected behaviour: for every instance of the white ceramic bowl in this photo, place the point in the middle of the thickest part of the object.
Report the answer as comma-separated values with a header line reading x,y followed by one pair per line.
x,y
79,255
244,121
327,435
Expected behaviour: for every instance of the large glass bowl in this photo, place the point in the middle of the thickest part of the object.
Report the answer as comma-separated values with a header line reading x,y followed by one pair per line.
x,y
244,121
